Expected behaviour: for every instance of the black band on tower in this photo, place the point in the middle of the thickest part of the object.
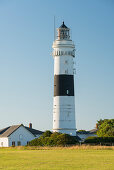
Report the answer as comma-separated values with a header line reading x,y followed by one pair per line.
x,y
63,85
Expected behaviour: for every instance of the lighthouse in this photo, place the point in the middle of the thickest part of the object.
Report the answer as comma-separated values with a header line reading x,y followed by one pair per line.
x,y
64,95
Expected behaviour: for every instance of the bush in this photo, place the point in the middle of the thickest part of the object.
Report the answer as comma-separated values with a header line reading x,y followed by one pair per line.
x,y
36,142
47,133
65,139
53,139
99,140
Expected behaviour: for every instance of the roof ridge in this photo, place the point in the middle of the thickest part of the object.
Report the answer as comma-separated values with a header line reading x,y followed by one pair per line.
x,y
63,26
10,130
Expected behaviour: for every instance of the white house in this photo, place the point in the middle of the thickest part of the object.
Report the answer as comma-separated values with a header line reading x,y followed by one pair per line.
x,y
18,135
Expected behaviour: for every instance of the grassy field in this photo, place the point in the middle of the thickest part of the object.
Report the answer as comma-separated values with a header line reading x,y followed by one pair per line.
x,y
82,158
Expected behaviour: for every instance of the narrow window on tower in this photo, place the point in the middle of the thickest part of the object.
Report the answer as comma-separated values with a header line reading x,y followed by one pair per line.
x,y
66,62
65,71
67,91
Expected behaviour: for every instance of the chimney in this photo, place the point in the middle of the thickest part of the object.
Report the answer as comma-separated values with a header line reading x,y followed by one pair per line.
x,y
96,125
30,125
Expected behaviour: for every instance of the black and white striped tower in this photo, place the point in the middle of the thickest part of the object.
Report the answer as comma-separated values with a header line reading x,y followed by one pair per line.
x,y
64,98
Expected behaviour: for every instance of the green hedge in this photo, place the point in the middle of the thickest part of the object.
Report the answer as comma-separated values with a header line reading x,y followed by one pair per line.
x,y
53,139
99,140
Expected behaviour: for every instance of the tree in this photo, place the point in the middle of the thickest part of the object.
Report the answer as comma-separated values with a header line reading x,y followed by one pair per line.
x,y
99,122
106,128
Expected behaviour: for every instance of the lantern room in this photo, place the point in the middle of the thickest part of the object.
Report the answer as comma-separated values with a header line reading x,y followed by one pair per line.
x,y
63,32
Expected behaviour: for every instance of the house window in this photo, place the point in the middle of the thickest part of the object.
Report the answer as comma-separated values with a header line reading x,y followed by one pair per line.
x,y
2,144
13,143
18,143
27,142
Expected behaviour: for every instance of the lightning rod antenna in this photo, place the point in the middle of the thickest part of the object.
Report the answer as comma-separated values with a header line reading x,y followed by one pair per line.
x,y
54,28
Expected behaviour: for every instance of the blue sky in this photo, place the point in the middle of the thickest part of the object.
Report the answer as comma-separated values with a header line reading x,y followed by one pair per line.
x,y
26,66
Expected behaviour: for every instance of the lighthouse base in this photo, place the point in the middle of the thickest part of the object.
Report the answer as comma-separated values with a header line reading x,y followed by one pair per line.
x,y
71,132
64,115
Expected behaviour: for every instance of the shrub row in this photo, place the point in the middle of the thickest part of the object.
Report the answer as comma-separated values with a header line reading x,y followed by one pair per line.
x,y
53,139
99,140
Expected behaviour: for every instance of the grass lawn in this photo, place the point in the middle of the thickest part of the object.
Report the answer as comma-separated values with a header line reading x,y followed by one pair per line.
x,y
57,158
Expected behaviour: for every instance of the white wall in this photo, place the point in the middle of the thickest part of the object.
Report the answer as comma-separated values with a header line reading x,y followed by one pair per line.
x,y
4,142
63,61
64,115
63,65
22,135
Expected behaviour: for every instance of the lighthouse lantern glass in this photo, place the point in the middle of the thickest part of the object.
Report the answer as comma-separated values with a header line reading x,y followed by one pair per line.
x,y
63,34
